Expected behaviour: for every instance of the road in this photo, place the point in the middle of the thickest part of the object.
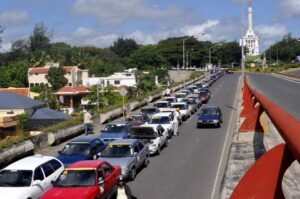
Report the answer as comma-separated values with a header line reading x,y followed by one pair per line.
x,y
187,168
283,92
294,72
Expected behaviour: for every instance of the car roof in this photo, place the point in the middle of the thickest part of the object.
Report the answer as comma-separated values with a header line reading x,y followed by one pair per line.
x,y
162,102
124,141
210,107
119,122
86,164
84,139
178,103
29,163
180,93
162,114
170,97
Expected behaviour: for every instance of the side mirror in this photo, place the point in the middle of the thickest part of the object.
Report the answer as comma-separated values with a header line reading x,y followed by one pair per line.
x,y
36,183
59,152
100,181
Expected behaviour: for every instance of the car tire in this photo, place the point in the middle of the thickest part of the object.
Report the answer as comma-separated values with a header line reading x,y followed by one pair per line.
x,y
146,162
158,150
132,173
198,126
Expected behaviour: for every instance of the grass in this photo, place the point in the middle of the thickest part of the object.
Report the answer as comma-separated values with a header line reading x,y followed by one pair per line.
x,y
65,124
11,140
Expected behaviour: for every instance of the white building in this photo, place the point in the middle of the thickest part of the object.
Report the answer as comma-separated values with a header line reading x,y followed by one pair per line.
x,y
250,40
117,79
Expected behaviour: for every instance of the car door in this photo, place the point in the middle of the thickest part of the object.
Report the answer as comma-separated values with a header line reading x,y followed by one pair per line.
x,y
38,185
138,156
143,152
57,167
110,178
49,175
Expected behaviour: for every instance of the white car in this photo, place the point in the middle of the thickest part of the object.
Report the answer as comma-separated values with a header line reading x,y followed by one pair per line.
x,y
172,110
183,109
166,120
162,104
180,96
29,177
155,136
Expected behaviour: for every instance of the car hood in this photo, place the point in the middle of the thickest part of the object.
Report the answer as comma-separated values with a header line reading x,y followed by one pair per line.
x,y
112,135
71,192
208,117
122,162
70,159
14,192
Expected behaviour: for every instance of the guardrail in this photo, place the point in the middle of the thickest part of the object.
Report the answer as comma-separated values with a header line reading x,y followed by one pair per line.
x,y
264,178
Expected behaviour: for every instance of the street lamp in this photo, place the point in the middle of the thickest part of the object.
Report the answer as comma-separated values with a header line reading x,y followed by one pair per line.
x,y
209,50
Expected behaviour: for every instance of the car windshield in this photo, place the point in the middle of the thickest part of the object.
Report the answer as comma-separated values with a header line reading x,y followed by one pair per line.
x,y
170,99
134,118
143,132
116,151
76,148
76,178
149,110
160,120
202,94
15,178
180,106
161,105
115,128
180,95
209,112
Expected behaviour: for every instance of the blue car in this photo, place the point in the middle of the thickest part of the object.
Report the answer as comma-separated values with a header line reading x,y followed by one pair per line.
x,y
210,115
115,131
85,148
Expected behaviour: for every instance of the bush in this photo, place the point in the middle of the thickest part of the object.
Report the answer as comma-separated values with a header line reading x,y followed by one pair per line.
x,y
11,140
65,124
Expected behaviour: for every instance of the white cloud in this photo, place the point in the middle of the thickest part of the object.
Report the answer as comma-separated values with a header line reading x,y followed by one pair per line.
x,y
200,30
82,32
118,11
101,40
271,31
13,18
291,8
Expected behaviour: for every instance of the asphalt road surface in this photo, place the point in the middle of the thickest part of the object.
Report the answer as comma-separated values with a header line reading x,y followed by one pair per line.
x,y
187,168
283,92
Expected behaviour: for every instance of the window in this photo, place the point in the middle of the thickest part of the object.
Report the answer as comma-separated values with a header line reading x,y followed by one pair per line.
x,y
47,169
70,84
55,164
100,175
107,169
117,82
38,174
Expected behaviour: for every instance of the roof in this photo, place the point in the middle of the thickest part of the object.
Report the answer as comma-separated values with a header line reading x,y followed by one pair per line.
x,y
210,106
84,139
19,91
160,102
29,163
69,90
47,113
68,69
164,114
86,164
124,141
13,101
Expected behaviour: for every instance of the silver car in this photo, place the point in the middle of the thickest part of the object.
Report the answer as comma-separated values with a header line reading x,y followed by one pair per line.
x,y
129,154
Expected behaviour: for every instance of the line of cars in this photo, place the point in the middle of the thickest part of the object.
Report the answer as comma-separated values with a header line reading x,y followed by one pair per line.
x,y
89,167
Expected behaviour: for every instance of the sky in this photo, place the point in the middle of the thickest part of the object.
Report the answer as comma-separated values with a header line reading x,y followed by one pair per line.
x,y
101,22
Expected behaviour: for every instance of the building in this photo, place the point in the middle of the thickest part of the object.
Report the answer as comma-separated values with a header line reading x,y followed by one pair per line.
x,y
250,40
12,105
21,91
70,97
37,76
119,79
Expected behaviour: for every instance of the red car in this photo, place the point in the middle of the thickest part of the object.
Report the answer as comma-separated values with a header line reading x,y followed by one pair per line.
x,y
87,179
204,96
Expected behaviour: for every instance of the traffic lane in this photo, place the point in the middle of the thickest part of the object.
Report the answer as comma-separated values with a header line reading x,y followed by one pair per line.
x,y
188,166
283,92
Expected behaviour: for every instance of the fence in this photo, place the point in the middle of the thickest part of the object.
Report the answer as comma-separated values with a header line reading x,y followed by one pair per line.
x,y
264,178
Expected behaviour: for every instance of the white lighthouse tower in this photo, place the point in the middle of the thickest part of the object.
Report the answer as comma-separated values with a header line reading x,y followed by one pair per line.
x,y
250,40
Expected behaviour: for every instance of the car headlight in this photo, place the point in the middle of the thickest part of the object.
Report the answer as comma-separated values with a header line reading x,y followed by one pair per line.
x,y
215,121
200,120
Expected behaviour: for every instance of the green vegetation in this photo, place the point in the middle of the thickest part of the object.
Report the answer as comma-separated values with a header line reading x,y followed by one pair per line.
x,y
65,124
11,140
56,77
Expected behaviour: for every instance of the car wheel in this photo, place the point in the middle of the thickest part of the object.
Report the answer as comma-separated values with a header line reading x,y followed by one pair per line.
x,y
158,150
198,125
146,162
132,173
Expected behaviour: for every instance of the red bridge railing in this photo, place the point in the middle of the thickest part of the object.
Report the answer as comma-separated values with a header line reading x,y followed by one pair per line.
x,y
264,178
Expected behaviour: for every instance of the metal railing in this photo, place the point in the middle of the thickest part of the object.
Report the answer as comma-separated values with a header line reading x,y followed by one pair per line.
x,y
264,178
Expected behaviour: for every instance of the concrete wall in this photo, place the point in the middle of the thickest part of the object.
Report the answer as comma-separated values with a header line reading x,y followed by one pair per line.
x,y
179,76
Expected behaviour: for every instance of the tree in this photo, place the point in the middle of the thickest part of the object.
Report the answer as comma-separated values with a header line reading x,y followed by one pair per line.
x,y
124,47
39,40
4,78
56,77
